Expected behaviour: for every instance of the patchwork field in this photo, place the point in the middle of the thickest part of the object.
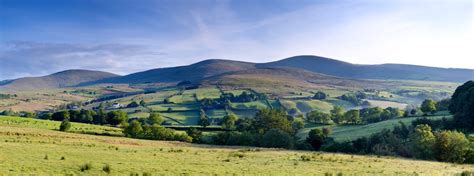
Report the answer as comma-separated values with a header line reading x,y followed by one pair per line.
x,y
24,146
352,132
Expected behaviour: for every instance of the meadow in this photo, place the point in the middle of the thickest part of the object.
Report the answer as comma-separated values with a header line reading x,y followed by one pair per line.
x,y
32,148
352,132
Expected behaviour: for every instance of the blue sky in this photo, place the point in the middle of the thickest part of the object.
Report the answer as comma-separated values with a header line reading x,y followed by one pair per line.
x,y
41,37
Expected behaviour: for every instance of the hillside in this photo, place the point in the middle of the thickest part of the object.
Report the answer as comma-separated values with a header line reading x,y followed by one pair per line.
x,y
61,79
214,67
285,77
28,149
192,72
383,71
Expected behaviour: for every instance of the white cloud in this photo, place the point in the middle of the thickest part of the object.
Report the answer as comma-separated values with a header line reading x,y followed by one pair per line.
x,y
33,58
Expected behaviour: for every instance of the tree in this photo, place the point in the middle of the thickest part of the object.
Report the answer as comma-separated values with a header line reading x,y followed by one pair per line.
x,y
61,115
195,134
155,118
443,105
65,125
428,106
143,103
203,119
422,142
413,112
133,104
318,117
326,131
320,95
134,129
353,116
266,119
228,122
166,101
316,138
86,116
451,146
462,105
277,138
297,124
337,114
116,117
101,116
374,114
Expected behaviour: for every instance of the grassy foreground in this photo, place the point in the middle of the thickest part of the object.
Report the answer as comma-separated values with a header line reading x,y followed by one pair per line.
x,y
28,150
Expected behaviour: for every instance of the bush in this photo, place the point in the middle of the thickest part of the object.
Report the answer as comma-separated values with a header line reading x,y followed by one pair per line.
x,y
451,146
107,168
84,167
65,125
277,138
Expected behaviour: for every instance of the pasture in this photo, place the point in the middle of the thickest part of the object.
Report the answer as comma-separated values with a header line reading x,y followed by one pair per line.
x,y
32,149
351,132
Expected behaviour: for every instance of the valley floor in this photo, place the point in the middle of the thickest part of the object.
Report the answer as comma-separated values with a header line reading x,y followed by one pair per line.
x,y
28,150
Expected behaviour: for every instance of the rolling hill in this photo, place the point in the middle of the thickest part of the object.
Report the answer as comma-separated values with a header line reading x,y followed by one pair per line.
x,y
384,71
194,72
297,67
61,79
286,77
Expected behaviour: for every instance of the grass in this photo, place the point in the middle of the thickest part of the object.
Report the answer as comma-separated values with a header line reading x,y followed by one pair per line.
x,y
54,125
246,113
210,92
338,102
23,149
216,113
385,104
304,106
352,132
139,115
250,105
175,107
185,117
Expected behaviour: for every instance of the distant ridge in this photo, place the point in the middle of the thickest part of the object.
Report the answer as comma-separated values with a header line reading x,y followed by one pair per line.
x,y
193,72
207,69
61,79
384,71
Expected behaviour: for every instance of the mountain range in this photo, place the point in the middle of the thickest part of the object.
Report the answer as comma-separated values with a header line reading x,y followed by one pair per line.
x,y
304,68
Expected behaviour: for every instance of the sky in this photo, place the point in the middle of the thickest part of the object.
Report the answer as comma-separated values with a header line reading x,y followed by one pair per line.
x,y
125,36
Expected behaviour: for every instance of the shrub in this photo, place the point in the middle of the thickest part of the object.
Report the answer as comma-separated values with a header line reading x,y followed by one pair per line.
x,y
107,168
84,167
305,158
65,125
277,138
451,146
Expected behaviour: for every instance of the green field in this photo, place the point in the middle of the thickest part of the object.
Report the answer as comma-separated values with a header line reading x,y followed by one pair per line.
x,y
185,117
210,92
352,132
30,148
54,125
304,106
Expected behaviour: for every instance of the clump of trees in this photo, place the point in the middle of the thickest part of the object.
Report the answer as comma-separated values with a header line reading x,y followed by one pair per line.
x,y
151,129
419,142
354,98
269,128
226,99
320,95
99,116
365,115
